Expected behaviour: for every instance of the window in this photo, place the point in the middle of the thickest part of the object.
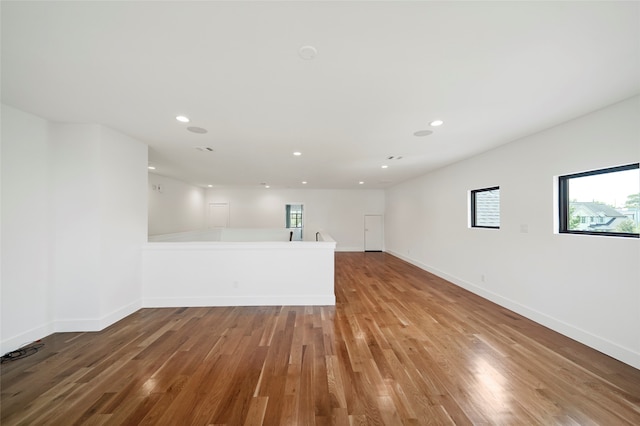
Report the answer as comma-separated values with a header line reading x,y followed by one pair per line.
x,y
294,220
485,208
601,202
293,216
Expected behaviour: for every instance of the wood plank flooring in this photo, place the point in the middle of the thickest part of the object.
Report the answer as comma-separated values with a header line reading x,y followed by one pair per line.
x,y
401,347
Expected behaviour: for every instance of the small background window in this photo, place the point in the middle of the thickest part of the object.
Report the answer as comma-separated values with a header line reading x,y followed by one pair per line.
x,y
601,202
294,220
485,208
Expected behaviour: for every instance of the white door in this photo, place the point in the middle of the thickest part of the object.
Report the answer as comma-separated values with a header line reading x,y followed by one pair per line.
x,y
373,236
218,215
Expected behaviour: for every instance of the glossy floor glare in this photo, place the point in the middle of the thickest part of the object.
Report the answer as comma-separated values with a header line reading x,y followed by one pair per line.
x,y
401,347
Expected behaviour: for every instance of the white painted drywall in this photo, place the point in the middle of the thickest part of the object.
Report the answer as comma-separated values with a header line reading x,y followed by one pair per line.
x,y
100,224
238,274
75,165
339,212
586,287
174,206
73,224
123,215
25,229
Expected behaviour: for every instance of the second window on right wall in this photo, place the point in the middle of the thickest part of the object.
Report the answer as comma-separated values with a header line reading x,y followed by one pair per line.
x,y
601,202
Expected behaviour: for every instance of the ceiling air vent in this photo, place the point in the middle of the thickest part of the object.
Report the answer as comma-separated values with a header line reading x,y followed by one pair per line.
x,y
204,148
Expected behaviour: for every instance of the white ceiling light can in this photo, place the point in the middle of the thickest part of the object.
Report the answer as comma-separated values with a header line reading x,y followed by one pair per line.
x,y
436,123
297,153
307,52
384,166
421,133
304,182
182,119
151,168
361,183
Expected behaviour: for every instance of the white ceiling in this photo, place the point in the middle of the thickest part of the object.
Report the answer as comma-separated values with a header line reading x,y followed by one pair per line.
x,y
493,71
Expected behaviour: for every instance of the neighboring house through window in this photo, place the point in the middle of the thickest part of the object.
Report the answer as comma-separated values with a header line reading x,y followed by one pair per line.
x,y
485,208
601,202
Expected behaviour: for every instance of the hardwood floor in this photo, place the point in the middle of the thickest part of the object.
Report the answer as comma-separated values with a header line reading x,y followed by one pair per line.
x,y
401,347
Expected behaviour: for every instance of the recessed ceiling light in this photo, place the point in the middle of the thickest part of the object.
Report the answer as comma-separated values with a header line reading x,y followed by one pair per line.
x,y
436,123
422,133
182,119
297,153
151,168
361,183
304,182
199,130
384,166
209,186
307,52
267,186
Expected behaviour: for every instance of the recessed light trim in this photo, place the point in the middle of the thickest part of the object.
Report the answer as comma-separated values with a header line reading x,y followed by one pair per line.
x,y
209,186
361,183
308,52
151,168
436,123
304,182
384,166
267,186
297,153
182,118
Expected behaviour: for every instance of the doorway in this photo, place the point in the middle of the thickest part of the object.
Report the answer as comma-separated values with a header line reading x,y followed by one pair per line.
x,y
218,215
373,233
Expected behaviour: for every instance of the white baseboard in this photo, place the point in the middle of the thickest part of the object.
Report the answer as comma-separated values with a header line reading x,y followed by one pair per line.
x,y
30,336
293,300
601,344
96,324
119,314
338,248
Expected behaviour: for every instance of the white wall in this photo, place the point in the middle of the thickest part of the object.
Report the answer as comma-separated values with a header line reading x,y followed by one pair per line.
x,y
238,274
123,207
73,224
339,212
176,207
586,287
75,155
25,229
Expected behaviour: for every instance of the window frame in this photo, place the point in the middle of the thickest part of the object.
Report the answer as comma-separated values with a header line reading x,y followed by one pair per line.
x,y
563,201
474,192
